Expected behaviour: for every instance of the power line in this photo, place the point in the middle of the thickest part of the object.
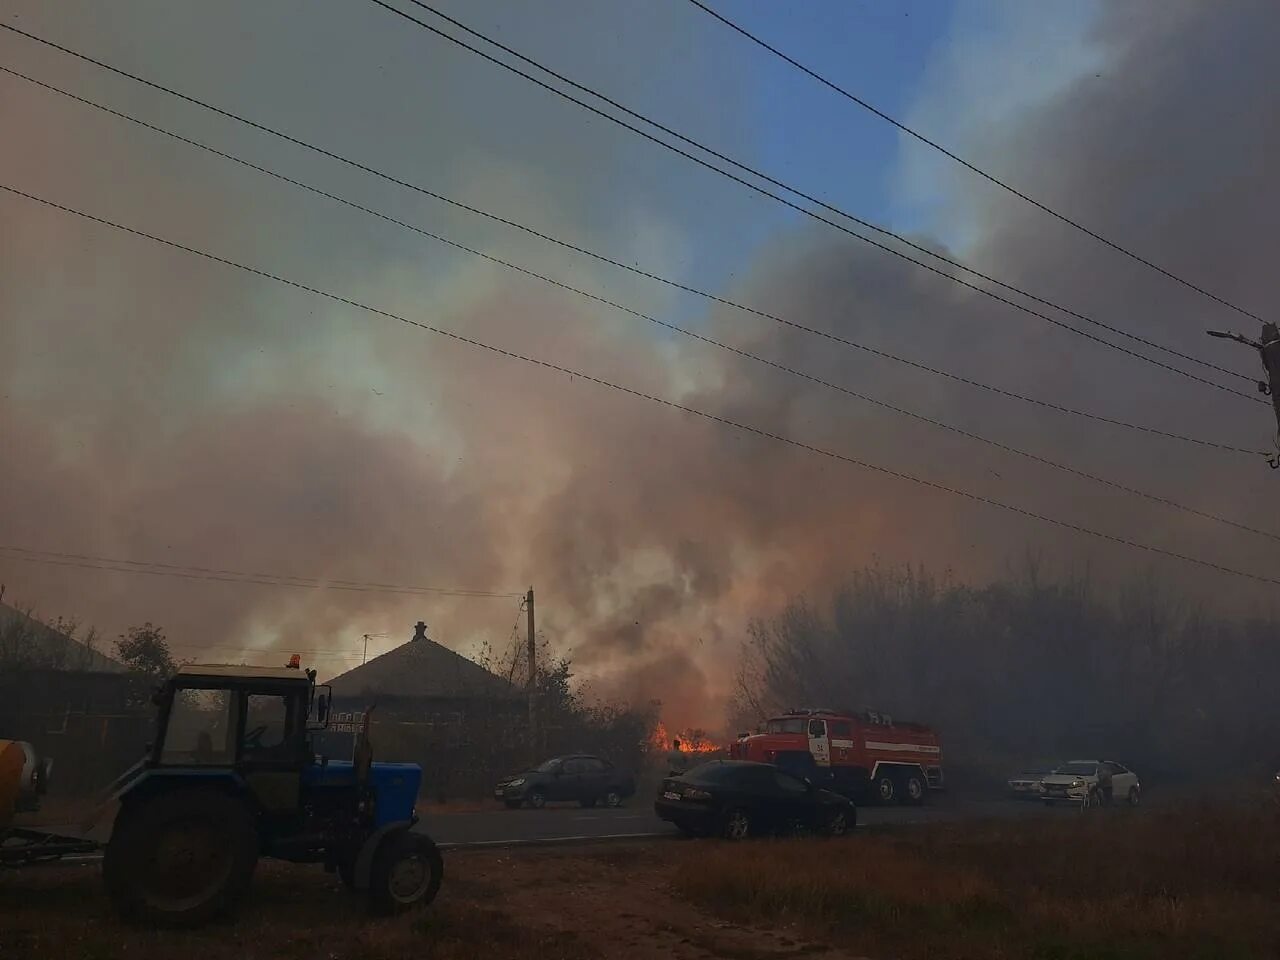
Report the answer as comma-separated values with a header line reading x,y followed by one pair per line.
x,y
670,404
810,213
975,169
1007,448
1008,394
156,568
223,649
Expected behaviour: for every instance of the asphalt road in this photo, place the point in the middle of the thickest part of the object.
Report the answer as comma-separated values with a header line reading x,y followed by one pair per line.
x,y
569,823
562,823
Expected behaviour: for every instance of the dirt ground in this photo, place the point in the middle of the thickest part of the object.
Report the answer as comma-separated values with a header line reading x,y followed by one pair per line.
x,y
1197,882
581,903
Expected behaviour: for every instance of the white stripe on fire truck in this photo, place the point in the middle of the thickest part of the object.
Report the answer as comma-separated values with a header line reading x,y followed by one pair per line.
x,y
903,747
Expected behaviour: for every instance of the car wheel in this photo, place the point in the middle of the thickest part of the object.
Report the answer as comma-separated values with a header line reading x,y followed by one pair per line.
x,y
537,799
915,790
737,825
1135,796
587,802
613,799
513,804
839,823
886,789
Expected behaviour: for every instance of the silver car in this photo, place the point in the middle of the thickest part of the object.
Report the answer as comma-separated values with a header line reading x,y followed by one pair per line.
x,y
1026,785
1092,783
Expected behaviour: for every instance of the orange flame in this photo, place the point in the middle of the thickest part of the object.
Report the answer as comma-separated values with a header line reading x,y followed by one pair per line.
x,y
691,740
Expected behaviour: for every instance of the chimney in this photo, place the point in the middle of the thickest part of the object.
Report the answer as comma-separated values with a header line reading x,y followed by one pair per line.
x,y
420,630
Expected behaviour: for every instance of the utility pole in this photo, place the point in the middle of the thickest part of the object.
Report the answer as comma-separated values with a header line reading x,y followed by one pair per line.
x,y
1268,348
530,638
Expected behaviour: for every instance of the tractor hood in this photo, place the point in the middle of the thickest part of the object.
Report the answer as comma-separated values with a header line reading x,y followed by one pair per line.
x,y
395,785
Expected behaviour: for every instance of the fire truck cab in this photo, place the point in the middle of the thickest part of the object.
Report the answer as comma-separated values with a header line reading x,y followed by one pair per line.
x,y
865,755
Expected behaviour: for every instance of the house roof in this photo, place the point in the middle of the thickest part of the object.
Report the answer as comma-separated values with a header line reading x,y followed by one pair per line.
x,y
420,668
24,639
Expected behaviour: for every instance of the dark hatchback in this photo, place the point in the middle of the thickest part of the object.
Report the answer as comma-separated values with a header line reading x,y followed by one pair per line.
x,y
588,780
736,799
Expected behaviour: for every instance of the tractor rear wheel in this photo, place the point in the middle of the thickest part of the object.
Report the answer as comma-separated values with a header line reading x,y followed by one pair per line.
x,y
181,857
407,871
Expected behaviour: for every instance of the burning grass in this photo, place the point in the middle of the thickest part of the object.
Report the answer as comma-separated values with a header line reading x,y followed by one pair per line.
x,y
691,740
1187,883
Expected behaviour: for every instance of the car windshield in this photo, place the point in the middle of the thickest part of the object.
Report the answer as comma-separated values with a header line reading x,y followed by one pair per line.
x,y
786,725
1077,769
547,766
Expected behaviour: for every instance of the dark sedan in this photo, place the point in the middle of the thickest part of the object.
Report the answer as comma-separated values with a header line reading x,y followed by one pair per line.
x,y
586,779
735,799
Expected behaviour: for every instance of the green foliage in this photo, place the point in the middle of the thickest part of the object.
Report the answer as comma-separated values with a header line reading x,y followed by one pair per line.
x,y
146,650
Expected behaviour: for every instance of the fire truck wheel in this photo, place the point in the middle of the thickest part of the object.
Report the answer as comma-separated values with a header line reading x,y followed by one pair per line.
x,y
886,788
537,799
915,790
736,826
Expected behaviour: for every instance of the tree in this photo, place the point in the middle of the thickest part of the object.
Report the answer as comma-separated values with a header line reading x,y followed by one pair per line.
x,y
146,650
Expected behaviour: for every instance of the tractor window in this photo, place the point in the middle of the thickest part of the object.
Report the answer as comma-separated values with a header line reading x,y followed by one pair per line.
x,y
266,728
200,728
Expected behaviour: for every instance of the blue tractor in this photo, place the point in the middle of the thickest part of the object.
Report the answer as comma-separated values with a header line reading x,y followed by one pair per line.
x,y
231,777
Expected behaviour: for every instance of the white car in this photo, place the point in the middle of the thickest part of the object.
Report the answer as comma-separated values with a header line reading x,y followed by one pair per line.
x,y
1091,783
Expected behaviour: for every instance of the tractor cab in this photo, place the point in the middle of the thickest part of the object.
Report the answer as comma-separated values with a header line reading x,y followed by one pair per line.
x,y
231,777
247,723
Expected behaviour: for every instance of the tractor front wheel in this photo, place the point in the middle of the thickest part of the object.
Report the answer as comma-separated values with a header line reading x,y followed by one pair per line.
x,y
181,857
407,871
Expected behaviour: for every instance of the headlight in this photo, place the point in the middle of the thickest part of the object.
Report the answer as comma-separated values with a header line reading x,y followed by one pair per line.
x,y
1077,783
516,782
693,793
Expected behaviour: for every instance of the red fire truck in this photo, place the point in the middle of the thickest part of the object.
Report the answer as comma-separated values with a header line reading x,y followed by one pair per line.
x,y
865,755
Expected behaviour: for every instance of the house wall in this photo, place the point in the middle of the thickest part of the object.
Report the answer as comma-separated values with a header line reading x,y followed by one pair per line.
x,y
93,725
462,743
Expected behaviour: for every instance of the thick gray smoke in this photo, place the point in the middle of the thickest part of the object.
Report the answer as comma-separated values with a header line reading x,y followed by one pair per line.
x,y
158,407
